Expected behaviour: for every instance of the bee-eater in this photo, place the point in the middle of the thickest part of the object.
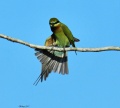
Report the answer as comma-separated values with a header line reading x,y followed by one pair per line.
x,y
55,60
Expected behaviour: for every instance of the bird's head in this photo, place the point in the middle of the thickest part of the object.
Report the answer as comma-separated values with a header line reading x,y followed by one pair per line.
x,y
54,22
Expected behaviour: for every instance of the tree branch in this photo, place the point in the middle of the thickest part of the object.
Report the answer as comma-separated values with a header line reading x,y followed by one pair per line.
x,y
109,48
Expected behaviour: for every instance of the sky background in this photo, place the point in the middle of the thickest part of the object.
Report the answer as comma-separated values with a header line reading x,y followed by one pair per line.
x,y
94,77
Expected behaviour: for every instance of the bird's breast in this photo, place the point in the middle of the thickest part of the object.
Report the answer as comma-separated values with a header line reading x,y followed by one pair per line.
x,y
61,39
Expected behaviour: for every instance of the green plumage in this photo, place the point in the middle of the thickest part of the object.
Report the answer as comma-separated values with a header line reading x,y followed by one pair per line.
x,y
55,60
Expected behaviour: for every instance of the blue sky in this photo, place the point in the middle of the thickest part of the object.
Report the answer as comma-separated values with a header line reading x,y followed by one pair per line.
x,y
94,77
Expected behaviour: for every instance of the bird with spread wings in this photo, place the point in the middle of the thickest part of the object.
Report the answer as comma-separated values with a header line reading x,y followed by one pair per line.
x,y
55,61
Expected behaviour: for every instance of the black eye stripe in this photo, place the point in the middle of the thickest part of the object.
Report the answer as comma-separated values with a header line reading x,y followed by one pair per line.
x,y
54,22
57,22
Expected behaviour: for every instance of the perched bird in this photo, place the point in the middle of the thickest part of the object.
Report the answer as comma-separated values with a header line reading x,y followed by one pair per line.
x,y
55,60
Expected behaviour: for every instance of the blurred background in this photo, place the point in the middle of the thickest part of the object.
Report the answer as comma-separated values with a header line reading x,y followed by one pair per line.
x,y
94,77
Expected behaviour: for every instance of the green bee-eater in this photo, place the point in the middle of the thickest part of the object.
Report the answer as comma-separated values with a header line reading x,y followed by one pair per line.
x,y
55,60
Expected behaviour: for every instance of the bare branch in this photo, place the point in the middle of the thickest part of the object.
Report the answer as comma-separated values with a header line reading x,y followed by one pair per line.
x,y
109,48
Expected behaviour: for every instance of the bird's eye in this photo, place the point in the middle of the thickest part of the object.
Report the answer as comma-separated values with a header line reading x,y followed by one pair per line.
x,y
54,22
57,22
